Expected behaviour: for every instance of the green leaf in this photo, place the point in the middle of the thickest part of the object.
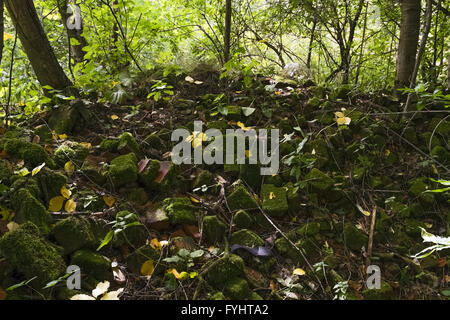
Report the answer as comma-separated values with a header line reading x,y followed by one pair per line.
x,y
107,240
248,111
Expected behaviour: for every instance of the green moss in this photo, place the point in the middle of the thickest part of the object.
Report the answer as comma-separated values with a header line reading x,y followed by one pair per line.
x,y
217,296
179,211
205,178
71,151
33,154
238,289
50,183
137,195
64,119
309,230
135,235
234,113
141,255
293,198
242,219
441,154
32,256
384,293
246,237
274,200
354,238
319,180
95,169
214,229
127,144
44,133
28,208
74,233
241,199
155,142
109,145
314,103
28,183
123,170
151,172
92,264
225,268
5,172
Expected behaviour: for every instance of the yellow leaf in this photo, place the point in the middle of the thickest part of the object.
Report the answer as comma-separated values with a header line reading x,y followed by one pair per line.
x,y
180,276
339,115
248,153
387,152
271,195
7,36
109,200
194,200
37,169
66,193
114,117
69,167
364,212
299,272
340,121
155,244
242,126
70,206
86,145
62,136
147,268
56,204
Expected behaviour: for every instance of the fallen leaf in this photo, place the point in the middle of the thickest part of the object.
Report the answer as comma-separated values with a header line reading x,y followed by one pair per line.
x,y
7,36
109,200
66,193
114,117
194,200
189,79
101,288
163,170
271,195
147,268
12,226
86,145
113,295
36,170
143,164
69,167
70,206
155,244
56,204
82,297
299,272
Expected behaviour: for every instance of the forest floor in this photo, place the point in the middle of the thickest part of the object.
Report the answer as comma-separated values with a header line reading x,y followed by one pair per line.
x,y
110,201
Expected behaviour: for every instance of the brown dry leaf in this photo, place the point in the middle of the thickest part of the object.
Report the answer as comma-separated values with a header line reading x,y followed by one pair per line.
x,y
191,230
163,170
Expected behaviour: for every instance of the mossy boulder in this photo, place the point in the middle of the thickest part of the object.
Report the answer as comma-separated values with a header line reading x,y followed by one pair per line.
x,y
137,195
128,144
71,151
92,264
228,267
179,211
154,141
246,237
33,154
94,167
134,235
204,178
309,230
241,199
50,183
109,145
354,238
238,289
28,253
64,119
274,200
384,293
74,233
30,209
123,170
150,173
319,180
242,220
214,229
29,184
141,255
5,172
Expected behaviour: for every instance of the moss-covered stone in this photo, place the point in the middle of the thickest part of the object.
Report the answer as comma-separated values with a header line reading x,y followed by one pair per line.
x,y
30,209
241,199
74,233
5,172
92,264
31,255
29,184
141,255
246,237
71,151
319,180
50,183
44,133
109,145
354,238
154,141
123,170
242,219
214,229
309,230
179,211
137,195
33,154
64,119
237,289
94,167
128,144
135,235
151,172
384,293
228,267
204,178
274,200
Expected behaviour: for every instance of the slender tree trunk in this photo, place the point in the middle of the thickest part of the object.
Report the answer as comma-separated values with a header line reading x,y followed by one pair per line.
x,y
361,53
227,32
76,51
35,43
409,39
310,47
2,28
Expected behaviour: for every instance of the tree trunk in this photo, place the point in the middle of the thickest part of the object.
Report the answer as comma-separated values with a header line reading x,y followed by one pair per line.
x,y
227,32
76,51
2,28
409,39
35,43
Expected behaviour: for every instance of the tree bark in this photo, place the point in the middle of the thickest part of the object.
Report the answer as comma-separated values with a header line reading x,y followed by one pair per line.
x,y
76,51
227,32
2,28
36,45
409,39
